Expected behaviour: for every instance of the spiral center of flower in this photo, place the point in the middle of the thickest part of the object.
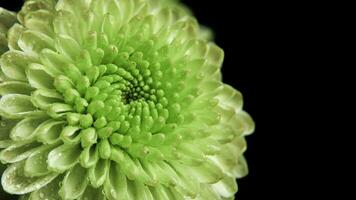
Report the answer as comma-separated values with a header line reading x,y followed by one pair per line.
x,y
117,101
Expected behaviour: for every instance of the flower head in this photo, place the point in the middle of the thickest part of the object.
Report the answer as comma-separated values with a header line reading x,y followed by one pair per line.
x,y
117,99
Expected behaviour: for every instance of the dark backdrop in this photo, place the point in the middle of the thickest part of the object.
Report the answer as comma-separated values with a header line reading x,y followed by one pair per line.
x,y
240,29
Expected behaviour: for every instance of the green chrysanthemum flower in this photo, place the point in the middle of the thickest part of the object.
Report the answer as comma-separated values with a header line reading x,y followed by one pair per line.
x,y
117,99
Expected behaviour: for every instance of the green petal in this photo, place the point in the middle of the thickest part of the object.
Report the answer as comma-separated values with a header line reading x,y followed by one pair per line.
x,y
249,124
206,33
198,49
40,77
44,98
58,110
227,159
73,7
187,185
36,163
144,175
3,44
93,194
70,135
7,18
168,176
25,129
48,132
5,128
3,194
13,36
67,46
32,42
63,157
48,192
53,60
229,98
14,63
116,184
32,6
74,183
14,180
18,151
98,173
64,24
138,190
207,193
208,172
241,169
17,106
161,193
226,188
128,166
40,21
15,87
215,55
89,156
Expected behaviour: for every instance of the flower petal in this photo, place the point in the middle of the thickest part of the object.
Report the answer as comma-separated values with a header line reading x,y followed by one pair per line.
x,y
63,157
44,98
48,132
14,63
32,42
53,60
70,135
33,6
116,184
241,169
48,192
98,173
89,156
249,124
64,24
74,183
7,18
58,110
229,98
162,193
138,190
14,180
13,36
207,192
208,172
215,55
227,158
25,129
15,87
18,151
67,46
93,194
226,188
40,77
3,43
40,20
186,185
128,166
36,163
17,106
5,128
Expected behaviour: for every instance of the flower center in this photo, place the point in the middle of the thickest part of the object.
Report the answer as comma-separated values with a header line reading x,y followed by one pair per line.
x,y
119,101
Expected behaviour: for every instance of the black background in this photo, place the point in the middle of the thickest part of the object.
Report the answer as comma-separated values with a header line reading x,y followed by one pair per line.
x,y
242,30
